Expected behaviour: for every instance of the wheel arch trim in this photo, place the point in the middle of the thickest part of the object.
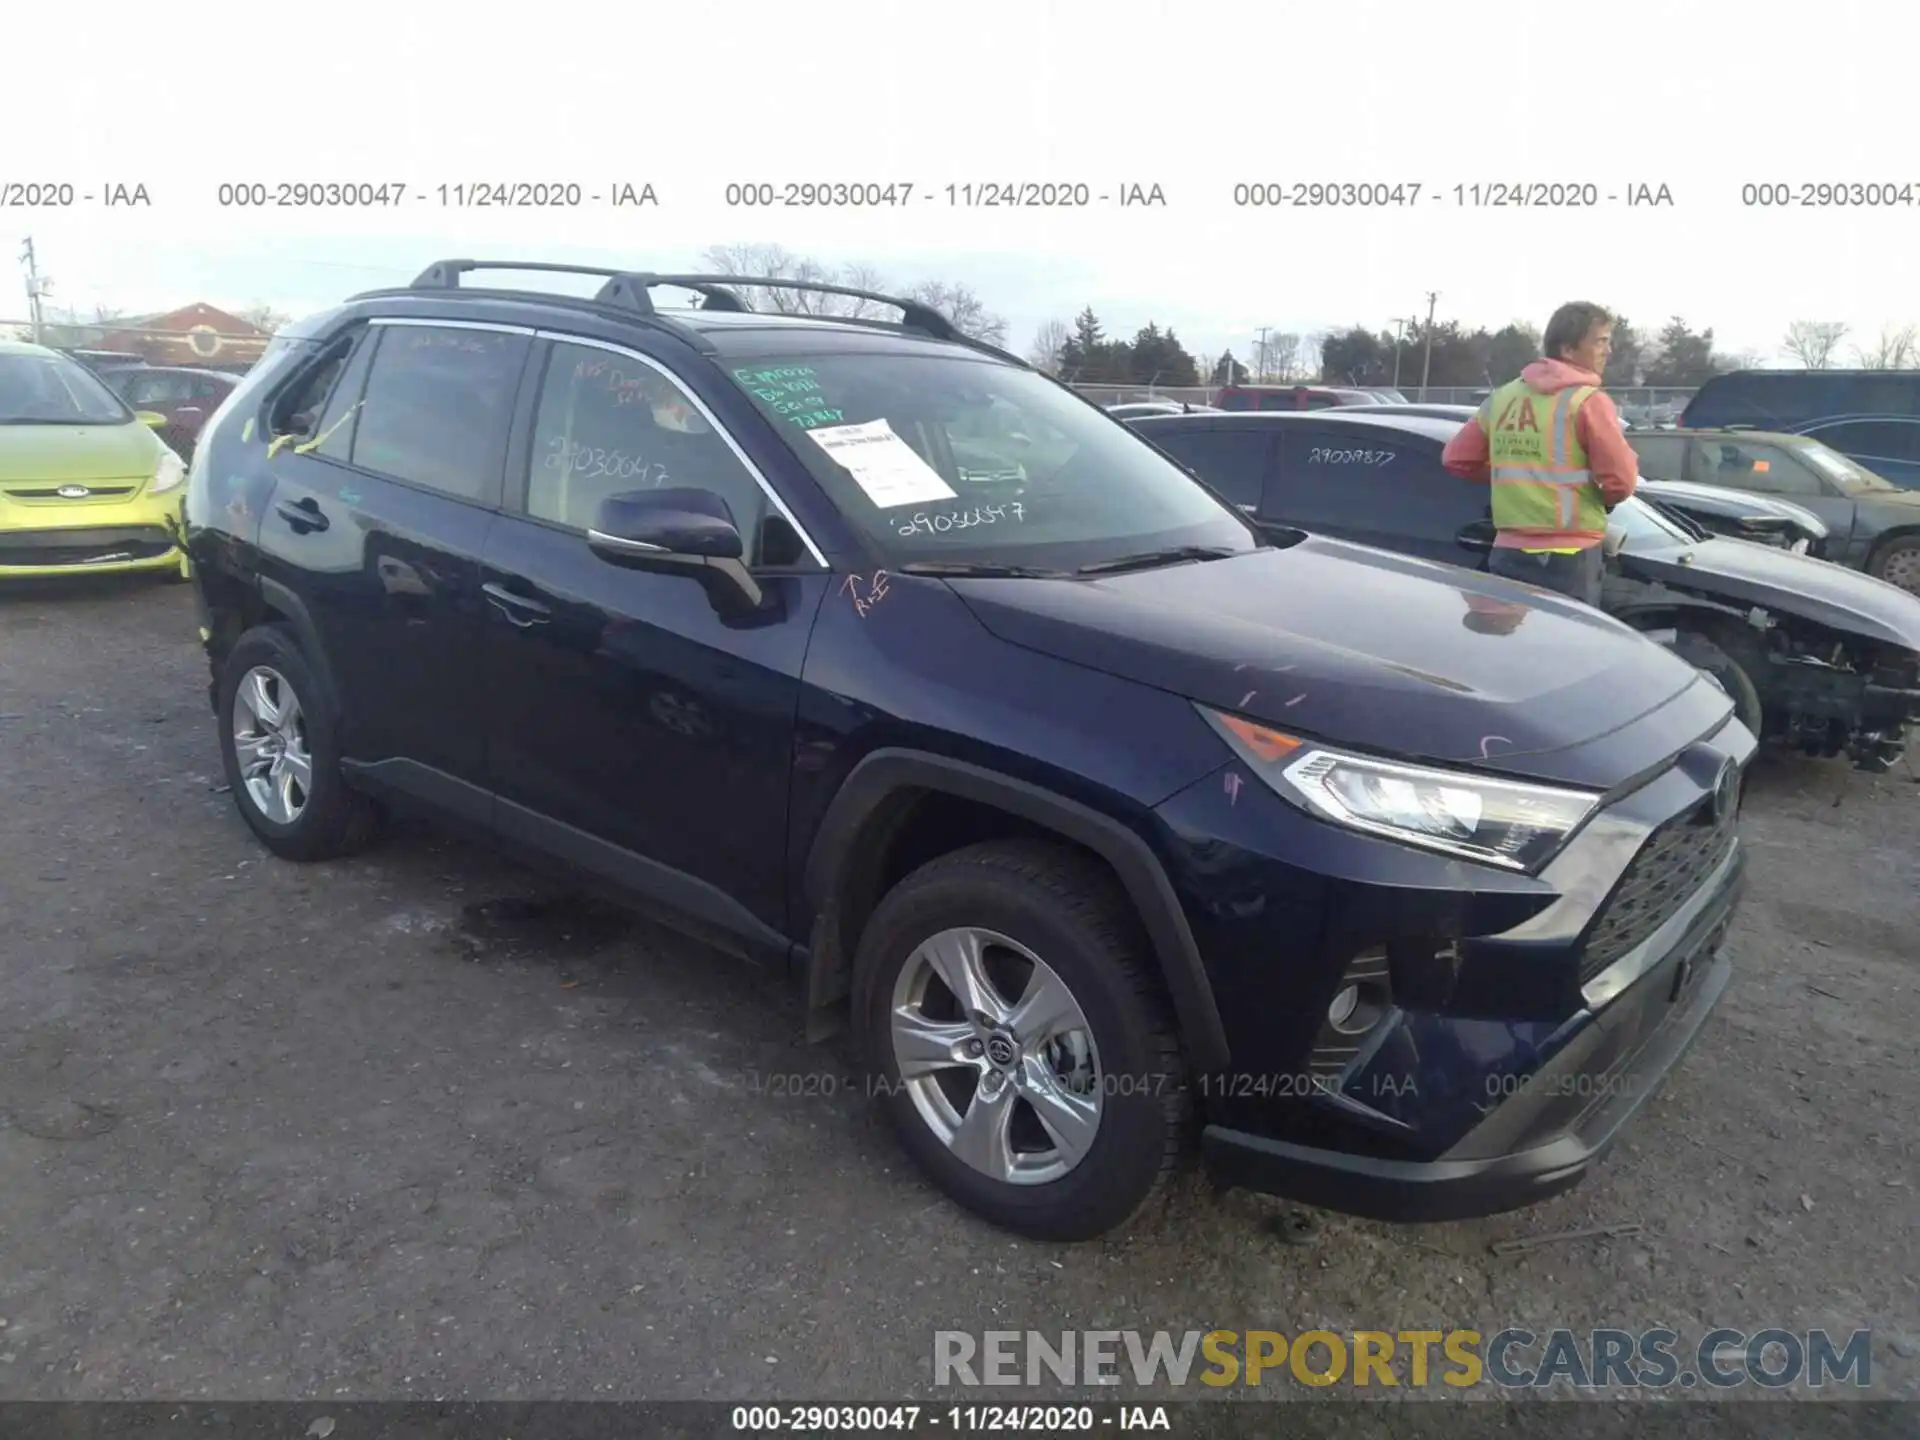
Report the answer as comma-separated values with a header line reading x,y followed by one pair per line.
x,y
886,774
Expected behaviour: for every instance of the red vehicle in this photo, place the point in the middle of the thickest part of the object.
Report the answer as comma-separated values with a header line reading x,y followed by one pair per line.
x,y
186,396
1293,397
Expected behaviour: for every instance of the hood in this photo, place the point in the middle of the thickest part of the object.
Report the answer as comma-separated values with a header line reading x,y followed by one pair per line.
x,y
1383,652
1556,375
78,452
1817,590
1898,506
1715,500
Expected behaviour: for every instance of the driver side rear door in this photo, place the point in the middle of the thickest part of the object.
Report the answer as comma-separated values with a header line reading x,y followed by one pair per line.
x,y
1380,487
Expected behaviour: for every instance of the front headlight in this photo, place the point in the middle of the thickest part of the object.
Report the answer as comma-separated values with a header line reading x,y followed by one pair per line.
x,y
168,474
1508,823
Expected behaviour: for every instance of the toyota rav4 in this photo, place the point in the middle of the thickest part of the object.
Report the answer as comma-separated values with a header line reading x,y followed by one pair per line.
x,y
1098,815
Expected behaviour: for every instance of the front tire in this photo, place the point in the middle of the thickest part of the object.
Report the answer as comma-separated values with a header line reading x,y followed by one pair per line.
x,y
1024,1057
278,748
1899,564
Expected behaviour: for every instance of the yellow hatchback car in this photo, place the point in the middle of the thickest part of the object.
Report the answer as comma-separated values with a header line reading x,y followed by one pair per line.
x,y
85,484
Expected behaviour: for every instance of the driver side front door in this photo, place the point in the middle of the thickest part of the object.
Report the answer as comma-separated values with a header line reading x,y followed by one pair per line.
x,y
633,729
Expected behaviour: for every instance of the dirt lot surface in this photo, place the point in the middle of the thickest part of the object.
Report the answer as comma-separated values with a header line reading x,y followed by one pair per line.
x,y
411,1126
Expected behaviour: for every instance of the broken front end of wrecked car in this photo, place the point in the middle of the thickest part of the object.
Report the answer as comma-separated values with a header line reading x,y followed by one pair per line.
x,y
1824,658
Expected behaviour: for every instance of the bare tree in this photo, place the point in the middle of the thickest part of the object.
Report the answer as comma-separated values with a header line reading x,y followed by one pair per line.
x,y
1896,349
1310,353
1814,343
958,303
264,317
1049,342
966,310
1283,355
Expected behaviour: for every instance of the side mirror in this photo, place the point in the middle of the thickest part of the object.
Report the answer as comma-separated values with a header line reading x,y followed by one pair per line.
x,y
679,531
152,419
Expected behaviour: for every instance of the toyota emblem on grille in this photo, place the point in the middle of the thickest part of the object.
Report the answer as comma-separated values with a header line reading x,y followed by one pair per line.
x,y
73,492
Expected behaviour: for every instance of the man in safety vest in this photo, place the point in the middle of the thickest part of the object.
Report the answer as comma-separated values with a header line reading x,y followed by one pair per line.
x,y
1551,445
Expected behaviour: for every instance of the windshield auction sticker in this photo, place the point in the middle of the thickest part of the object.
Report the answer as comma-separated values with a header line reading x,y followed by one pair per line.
x,y
883,465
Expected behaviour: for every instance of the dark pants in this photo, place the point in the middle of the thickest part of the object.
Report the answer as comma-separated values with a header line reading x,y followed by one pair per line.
x,y
1577,575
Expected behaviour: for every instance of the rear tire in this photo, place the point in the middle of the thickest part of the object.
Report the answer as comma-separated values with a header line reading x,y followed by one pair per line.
x,y
1899,564
1052,1105
1703,654
277,726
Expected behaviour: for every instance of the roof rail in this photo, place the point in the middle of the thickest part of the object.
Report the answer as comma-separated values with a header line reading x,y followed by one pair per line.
x,y
445,275
629,289
913,313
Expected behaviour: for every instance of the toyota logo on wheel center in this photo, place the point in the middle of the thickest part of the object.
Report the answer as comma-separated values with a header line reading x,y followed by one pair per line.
x,y
1001,1050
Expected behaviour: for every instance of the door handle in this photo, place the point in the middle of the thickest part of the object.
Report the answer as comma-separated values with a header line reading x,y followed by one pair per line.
x,y
303,515
521,610
1476,537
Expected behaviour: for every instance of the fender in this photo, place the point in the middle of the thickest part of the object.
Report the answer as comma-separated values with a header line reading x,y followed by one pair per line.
x,y
889,774
1672,604
300,619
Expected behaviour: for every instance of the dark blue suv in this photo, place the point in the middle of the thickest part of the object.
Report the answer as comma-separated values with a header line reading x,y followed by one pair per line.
x,y
1097,814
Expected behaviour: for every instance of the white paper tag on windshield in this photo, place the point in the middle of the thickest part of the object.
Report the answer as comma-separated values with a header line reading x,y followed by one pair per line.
x,y
882,464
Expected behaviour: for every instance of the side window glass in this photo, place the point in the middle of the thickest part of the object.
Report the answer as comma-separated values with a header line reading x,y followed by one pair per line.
x,y
1661,456
333,432
295,415
136,390
1870,440
608,424
437,405
1233,462
1364,480
1741,465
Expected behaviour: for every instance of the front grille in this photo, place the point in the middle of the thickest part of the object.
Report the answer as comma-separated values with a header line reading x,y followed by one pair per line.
x,y
52,492
82,547
1673,864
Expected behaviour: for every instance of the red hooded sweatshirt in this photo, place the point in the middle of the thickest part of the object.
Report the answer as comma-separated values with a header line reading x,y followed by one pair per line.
x,y
1616,469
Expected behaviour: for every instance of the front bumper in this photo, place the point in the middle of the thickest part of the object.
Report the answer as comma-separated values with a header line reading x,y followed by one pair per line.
x,y
142,533
1560,1119
1514,1023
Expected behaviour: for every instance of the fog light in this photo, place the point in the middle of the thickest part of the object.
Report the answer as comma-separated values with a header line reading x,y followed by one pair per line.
x,y
1357,1009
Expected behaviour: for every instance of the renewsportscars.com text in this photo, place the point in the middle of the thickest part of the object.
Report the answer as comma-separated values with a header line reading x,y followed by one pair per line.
x,y
1723,1359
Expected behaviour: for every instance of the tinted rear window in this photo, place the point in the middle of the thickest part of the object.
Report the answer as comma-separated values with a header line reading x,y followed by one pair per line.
x,y
1788,400
1233,462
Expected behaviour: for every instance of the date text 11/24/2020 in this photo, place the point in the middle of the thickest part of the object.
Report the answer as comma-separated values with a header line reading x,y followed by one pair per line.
x,y
820,1084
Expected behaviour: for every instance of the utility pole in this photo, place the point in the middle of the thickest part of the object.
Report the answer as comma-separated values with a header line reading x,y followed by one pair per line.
x,y
1260,356
1400,322
1426,364
36,287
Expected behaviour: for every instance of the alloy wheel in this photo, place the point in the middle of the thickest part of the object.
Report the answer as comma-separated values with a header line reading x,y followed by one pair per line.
x,y
270,742
1903,569
997,1056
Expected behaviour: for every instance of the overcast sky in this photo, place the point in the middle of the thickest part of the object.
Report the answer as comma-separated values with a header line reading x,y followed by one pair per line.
x,y
1699,98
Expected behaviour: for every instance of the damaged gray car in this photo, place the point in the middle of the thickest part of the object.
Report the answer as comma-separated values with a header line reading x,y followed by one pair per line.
x,y
1815,656
1818,656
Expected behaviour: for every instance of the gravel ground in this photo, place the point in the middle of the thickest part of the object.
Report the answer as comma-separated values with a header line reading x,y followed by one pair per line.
x,y
411,1126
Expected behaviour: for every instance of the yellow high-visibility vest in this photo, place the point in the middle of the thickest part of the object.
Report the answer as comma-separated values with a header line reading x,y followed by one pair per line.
x,y
1541,482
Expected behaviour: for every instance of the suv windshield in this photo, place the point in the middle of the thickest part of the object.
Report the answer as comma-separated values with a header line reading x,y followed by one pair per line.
x,y
950,459
53,390
1842,471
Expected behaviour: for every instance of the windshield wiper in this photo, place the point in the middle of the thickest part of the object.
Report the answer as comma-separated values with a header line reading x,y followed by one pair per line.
x,y
962,568
1146,559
